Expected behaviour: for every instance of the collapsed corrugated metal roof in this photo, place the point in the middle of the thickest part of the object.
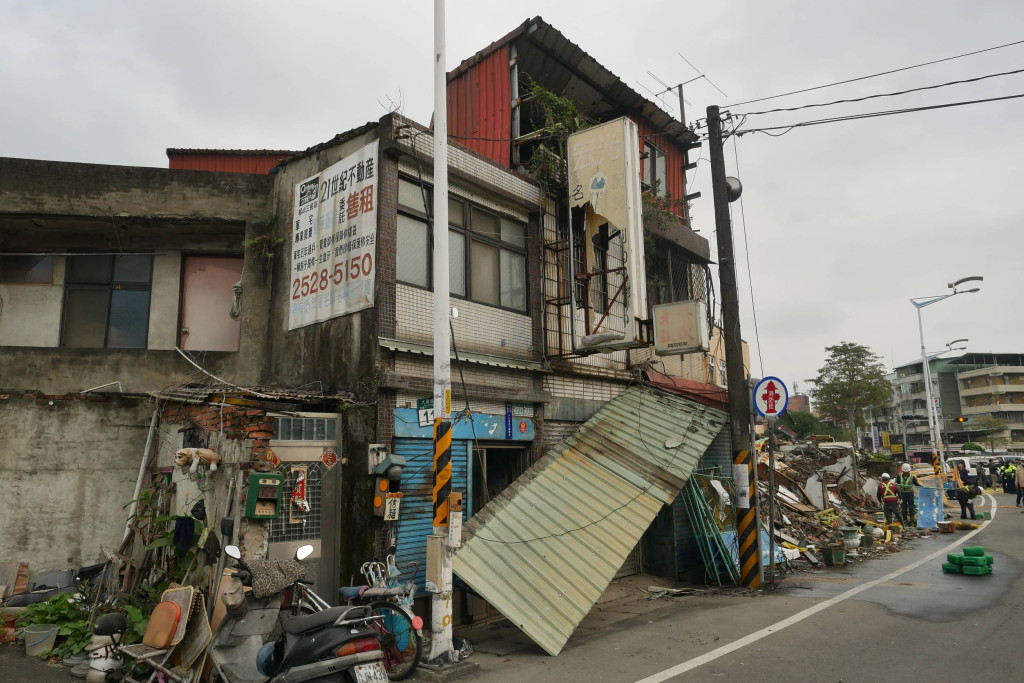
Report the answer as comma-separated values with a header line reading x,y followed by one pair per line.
x,y
544,550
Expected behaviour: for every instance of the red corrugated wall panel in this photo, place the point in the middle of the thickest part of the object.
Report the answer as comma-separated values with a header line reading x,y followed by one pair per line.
x,y
673,159
225,162
480,108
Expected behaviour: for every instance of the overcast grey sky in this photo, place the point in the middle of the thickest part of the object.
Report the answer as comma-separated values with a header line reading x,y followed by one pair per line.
x,y
845,222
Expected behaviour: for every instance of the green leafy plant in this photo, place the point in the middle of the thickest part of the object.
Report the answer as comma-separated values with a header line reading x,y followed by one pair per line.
x,y
554,119
264,249
70,614
137,623
972,446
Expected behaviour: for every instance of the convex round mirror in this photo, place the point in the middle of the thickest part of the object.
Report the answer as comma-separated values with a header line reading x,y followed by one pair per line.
x,y
233,551
303,552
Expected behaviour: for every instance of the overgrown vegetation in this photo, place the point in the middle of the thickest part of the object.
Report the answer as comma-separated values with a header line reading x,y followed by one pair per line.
x,y
264,250
70,612
553,119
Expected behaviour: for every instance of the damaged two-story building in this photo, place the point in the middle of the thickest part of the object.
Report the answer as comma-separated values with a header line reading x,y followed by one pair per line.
x,y
285,321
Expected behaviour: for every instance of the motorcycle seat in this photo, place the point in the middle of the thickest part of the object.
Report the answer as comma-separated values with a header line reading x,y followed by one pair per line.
x,y
310,622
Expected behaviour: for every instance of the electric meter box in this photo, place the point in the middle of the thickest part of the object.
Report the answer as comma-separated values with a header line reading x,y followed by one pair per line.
x,y
264,498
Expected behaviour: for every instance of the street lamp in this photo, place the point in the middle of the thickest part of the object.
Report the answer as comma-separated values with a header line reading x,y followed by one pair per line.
x,y
919,303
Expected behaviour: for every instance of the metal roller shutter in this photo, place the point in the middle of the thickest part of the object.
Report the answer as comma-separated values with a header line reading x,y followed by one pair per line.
x,y
417,511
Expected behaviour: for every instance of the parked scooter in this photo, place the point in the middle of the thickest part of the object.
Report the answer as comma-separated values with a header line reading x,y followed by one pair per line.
x,y
261,639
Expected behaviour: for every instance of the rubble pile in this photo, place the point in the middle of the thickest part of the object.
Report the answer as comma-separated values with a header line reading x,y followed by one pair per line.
x,y
818,495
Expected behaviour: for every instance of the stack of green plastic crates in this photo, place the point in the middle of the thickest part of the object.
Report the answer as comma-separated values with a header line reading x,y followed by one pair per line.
x,y
973,562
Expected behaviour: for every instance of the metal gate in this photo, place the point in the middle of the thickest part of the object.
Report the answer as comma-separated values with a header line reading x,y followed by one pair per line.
x,y
416,520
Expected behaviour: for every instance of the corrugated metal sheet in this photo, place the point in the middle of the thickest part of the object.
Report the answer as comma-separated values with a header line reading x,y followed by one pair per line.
x,y
258,161
417,511
565,68
545,549
479,107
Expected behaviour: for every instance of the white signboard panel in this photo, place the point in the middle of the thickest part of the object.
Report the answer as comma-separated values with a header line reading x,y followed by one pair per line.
x,y
604,191
334,240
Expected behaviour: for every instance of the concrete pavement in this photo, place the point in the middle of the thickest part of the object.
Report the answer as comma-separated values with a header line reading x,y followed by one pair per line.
x,y
917,624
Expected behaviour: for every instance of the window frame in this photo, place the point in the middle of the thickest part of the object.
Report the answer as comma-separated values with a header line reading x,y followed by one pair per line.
x,y
651,155
469,236
110,287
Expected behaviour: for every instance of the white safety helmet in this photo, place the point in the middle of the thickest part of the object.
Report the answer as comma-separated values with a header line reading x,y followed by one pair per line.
x,y
885,475
906,467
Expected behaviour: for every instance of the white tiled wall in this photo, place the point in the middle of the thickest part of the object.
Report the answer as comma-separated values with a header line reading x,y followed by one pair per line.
x,y
422,367
476,167
407,399
478,329
578,387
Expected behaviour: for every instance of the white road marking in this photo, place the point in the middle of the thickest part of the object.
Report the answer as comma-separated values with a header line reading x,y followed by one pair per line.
x,y
800,616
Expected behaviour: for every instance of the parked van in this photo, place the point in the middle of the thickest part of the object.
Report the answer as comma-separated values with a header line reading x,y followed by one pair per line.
x,y
971,464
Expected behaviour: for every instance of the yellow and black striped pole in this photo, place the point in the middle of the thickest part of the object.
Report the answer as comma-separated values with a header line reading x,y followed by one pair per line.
x,y
746,520
442,470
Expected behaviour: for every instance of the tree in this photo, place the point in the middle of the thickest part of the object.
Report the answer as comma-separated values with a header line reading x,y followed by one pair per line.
x,y
803,424
853,378
993,431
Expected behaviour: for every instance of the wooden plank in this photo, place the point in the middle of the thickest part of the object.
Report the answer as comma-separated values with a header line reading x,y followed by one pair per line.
x,y
8,577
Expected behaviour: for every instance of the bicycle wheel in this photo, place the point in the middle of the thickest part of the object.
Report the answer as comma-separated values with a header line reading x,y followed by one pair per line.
x,y
401,645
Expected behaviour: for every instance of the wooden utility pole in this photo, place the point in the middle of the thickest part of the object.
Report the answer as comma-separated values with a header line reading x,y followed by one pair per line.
x,y
744,471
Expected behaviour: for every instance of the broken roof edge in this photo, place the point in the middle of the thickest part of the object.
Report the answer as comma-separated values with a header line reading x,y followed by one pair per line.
x,y
647,109
708,394
195,393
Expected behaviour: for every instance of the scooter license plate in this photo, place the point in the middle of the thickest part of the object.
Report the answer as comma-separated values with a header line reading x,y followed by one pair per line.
x,y
370,673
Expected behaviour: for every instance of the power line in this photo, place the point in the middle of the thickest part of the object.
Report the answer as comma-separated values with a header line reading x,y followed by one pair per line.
x,y
881,73
876,114
888,94
746,252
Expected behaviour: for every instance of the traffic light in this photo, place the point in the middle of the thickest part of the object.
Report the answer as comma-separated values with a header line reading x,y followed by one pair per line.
x,y
961,419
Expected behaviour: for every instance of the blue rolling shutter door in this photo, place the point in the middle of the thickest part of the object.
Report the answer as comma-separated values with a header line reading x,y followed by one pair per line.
x,y
417,511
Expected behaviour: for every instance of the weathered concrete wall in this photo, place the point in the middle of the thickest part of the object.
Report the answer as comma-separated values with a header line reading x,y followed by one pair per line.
x,y
59,371
67,468
63,370
30,314
67,189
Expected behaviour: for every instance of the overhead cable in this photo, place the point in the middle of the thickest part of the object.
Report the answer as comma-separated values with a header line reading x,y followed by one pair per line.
x,y
871,115
881,73
888,94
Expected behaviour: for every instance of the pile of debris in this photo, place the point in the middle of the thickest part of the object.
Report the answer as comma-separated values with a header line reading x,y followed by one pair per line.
x,y
822,496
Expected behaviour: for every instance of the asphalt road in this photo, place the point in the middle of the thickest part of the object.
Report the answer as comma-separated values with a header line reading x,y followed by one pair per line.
x,y
898,618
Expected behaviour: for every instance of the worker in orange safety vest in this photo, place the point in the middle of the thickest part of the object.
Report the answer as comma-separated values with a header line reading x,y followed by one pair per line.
x,y
889,496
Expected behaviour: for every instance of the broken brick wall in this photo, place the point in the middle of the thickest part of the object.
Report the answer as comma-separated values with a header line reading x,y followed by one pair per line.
x,y
241,436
